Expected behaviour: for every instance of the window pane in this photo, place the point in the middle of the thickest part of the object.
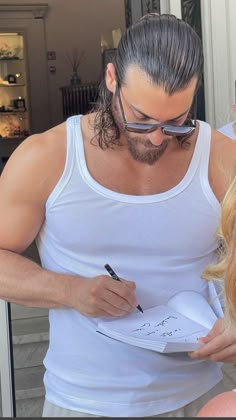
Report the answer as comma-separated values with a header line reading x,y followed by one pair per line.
x,y
191,13
150,6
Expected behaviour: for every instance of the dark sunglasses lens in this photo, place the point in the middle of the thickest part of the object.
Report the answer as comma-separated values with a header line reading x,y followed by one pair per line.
x,y
140,128
177,131
168,130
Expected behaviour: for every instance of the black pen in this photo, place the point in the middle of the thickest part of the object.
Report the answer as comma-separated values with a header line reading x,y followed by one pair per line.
x,y
115,277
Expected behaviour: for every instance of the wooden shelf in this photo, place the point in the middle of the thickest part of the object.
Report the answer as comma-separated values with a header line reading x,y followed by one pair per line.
x,y
11,59
12,85
17,111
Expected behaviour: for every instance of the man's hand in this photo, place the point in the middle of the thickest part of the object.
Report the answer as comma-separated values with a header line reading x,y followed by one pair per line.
x,y
102,296
219,344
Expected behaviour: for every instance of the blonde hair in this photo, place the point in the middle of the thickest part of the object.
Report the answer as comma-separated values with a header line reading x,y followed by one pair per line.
x,y
225,268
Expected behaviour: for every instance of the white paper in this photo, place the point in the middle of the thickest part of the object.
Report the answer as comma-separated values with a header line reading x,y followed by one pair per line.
x,y
162,325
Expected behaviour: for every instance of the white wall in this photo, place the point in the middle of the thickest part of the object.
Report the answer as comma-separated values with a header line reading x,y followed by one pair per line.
x,y
79,23
76,23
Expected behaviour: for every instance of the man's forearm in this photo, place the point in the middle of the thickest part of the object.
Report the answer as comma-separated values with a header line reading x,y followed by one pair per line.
x,y
24,282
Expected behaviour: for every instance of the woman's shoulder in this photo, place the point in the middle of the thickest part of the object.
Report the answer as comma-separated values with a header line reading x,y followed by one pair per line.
x,y
222,405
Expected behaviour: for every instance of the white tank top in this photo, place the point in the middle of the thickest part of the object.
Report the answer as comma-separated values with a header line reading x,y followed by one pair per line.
x,y
162,242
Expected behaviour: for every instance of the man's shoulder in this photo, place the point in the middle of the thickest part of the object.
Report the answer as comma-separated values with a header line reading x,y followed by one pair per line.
x,y
222,165
48,137
220,141
42,145
39,160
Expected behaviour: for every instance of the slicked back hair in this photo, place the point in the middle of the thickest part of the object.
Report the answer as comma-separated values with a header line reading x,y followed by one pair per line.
x,y
166,49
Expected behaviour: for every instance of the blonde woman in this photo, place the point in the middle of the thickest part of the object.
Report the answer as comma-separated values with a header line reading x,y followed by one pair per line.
x,y
224,404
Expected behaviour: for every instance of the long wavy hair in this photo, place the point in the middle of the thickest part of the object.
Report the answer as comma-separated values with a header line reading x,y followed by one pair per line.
x,y
167,49
225,268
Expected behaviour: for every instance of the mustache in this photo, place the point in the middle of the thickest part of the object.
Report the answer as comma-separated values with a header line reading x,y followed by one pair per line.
x,y
148,144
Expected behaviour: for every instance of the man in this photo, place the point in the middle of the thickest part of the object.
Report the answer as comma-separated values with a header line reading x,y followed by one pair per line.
x,y
137,185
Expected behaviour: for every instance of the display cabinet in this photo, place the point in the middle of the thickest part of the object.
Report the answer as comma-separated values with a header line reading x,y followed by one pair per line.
x,y
14,114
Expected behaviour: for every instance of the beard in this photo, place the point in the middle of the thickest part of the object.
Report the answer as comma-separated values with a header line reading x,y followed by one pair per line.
x,y
141,148
144,151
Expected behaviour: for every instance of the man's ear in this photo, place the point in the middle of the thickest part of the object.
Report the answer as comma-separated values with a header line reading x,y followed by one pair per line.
x,y
111,78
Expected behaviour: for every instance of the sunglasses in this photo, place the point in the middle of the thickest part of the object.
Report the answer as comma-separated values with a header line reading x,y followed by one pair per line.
x,y
167,129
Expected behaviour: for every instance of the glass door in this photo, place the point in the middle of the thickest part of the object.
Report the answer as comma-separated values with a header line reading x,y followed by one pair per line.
x,y
24,341
7,388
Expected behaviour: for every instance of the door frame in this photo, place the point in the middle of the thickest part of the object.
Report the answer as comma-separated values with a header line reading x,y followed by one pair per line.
x,y
7,390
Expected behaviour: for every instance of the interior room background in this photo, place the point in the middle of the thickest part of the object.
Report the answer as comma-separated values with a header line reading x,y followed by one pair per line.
x,y
70,25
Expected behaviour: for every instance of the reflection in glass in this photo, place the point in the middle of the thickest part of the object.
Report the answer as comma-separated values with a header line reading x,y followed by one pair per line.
x,y
150,6
139,8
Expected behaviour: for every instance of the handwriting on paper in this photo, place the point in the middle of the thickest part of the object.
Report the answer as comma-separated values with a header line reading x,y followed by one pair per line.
x,y
149,328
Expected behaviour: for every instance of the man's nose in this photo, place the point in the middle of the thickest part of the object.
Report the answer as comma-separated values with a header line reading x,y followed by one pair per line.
x,y
156,137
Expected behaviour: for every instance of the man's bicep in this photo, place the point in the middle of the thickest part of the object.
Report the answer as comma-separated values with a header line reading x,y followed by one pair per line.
x,y
21,204
20,221
26,182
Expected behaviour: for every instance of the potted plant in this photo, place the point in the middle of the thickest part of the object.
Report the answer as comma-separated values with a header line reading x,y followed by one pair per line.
x,y
75,58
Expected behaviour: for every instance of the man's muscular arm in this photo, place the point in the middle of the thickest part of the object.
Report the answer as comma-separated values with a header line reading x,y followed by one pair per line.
x,y
25,184
24,187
